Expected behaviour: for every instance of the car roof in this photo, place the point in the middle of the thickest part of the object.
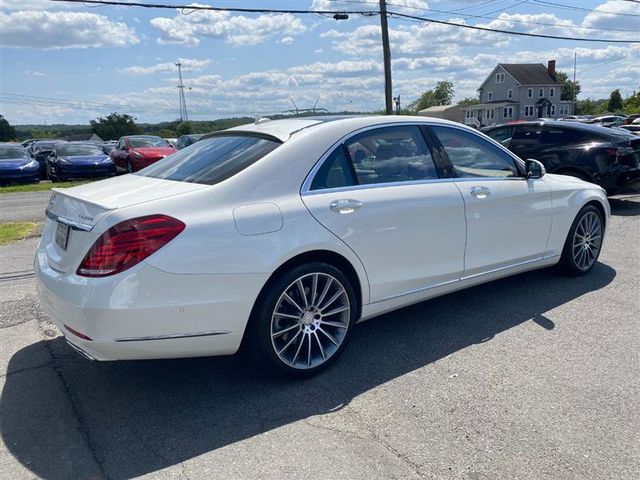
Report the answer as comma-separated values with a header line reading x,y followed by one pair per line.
x,y
141,136
285,128
555,123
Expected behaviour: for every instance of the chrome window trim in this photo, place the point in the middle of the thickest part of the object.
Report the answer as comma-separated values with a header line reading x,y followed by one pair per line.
x,y
306,185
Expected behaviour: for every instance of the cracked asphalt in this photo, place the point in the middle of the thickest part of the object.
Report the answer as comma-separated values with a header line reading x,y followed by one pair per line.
x,y
532,377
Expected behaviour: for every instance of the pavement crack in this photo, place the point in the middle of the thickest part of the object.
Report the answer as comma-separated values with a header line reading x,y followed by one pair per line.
x,y
76,412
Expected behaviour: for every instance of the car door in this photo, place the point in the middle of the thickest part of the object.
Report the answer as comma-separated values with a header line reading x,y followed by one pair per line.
x,y
381,193
508,216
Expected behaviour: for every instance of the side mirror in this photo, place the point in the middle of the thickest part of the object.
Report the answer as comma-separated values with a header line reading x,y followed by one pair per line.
x,y
534,169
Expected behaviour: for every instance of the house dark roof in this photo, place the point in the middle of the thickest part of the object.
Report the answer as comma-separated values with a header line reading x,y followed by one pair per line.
x,y
81,137
529,73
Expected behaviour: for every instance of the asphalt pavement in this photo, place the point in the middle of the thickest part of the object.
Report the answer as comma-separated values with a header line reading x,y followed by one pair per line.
x,y
532,377
23,206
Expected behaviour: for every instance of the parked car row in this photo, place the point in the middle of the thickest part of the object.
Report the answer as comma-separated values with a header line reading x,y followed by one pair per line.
x,y
609,157
605,120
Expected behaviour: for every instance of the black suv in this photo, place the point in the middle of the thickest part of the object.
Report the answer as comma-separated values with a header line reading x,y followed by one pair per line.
x,y
609,157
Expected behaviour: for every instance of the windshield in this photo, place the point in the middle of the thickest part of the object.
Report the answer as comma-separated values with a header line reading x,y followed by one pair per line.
x,y
141,142
77,150
12,153
211,160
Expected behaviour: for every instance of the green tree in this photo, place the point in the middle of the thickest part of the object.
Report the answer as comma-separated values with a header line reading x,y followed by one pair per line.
x,y
632,103
114,126
569,90
615,101
7,132
442,94
183,128
465,102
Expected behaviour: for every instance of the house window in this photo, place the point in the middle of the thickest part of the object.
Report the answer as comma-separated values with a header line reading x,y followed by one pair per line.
x,y
489,96
552,92
507,112
541,92
510,93
552,110
530,92
564,109
469,114
528,110
499,77
491,114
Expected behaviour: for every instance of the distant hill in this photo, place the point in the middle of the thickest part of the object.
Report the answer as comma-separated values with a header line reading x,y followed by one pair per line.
x,y
164,129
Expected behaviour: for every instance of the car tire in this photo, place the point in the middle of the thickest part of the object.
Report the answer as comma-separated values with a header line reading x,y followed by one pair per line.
x,y
301,336
584,242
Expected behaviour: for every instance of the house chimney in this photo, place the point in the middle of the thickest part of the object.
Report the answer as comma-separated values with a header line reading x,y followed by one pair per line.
x,y
551,68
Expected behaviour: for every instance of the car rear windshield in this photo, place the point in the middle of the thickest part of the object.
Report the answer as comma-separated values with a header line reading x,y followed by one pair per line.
x,y
141,142
10,153
78,150
212,160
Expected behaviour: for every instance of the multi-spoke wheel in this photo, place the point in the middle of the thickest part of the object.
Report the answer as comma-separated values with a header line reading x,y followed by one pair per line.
x,y
584,241
305,318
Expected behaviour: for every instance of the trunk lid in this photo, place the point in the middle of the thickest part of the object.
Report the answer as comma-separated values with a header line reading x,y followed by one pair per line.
x,y
73,213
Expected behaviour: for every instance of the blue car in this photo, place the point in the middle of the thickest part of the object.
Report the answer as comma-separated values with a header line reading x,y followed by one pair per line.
x,y
78,160
16,165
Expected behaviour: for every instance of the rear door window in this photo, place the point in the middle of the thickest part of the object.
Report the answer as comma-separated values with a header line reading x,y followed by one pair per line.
x,y
212,160
391,154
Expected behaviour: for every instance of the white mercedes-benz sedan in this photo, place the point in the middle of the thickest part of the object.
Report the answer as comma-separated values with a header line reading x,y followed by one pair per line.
x,y
279,236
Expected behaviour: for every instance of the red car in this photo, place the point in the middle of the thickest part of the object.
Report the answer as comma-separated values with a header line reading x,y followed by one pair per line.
x,y
135,152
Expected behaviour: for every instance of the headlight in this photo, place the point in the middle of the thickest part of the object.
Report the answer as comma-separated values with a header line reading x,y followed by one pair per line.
x,y
63,160
137,154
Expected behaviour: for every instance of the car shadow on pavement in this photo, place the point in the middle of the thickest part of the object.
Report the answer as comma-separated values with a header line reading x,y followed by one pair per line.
x,y
625,206
140,417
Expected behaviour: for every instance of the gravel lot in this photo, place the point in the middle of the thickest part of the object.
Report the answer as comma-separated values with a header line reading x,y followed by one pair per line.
x,y
532,377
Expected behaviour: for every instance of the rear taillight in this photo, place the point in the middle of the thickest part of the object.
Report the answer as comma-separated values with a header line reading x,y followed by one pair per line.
x,y
128,243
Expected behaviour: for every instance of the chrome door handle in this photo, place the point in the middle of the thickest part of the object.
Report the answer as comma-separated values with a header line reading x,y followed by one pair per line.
x,y
480,192
345,205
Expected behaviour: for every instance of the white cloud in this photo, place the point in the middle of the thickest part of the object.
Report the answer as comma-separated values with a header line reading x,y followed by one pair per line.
x,y
188,65
236,30
410,40
63,29
34,73
619,17
286,40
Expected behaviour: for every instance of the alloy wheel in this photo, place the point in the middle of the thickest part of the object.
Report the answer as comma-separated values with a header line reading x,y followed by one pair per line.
x,y
587,240
310,320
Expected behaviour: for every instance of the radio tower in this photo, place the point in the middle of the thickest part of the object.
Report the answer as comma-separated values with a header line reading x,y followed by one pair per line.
x,y
183,103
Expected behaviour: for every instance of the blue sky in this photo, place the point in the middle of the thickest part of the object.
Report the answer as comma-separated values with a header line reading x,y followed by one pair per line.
x,y
81,62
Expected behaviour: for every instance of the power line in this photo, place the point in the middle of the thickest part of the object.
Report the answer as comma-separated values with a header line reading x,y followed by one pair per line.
x,y
485,15
510,32
352,12
581,9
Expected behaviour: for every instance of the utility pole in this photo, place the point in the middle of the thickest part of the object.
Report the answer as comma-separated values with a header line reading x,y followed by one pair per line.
x,y
386,53
183,103
575,99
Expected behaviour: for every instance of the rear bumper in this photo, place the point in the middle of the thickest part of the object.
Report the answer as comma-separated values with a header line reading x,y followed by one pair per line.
x,y
86,171
20,176
144,313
